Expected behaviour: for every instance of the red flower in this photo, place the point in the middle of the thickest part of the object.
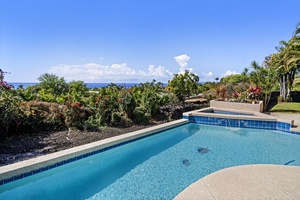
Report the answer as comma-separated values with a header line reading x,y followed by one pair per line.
x,y
236,95
255,90
76,105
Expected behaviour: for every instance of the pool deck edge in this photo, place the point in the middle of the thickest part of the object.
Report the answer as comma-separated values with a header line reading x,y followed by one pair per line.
x,y
257,115
12,170
260,181
292,119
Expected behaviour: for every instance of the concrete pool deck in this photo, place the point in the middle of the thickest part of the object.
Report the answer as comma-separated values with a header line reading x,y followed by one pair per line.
x,y
289,117
247,182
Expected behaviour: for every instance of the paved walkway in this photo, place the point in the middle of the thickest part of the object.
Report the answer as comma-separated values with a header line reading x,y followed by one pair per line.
x,y
289,117
247,182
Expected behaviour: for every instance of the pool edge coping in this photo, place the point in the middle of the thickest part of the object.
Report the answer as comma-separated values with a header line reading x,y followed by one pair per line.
x,y
257,117
12,170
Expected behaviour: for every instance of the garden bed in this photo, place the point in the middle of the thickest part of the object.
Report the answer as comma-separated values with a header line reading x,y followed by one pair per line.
x,y
23,147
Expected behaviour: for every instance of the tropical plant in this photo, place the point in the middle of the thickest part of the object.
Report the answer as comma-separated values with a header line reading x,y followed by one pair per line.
x,y
149,97
254,93
77,91
263,78
287,63
29,94
184,85
52,87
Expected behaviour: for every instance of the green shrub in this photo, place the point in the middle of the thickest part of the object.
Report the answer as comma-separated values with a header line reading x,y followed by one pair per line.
x,y
11,114
42,116
77,114
119,119
126,102
93,123
140,116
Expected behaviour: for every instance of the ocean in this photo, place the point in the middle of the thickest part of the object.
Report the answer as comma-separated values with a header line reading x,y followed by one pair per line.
x,y
89,85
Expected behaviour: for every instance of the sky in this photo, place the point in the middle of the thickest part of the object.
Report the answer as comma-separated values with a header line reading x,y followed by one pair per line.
x,y
134,41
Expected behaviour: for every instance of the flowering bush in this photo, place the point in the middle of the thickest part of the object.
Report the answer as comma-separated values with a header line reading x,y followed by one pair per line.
x,y
254,92
5,85
76,113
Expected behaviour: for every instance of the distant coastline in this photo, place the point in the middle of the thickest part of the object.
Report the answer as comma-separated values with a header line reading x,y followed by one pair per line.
x,y
89,85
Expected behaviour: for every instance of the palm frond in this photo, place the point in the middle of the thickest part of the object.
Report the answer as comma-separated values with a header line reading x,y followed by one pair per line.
x,y
297,31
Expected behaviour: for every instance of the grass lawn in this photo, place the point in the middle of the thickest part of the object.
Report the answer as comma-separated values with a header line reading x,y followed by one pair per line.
x,y
287,107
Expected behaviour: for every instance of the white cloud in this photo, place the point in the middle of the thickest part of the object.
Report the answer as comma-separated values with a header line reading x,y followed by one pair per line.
x,y
209,74
228,73
92,72
182,60
159,71
206,75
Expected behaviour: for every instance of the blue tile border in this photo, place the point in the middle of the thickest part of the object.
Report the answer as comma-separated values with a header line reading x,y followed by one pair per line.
x,y
242,123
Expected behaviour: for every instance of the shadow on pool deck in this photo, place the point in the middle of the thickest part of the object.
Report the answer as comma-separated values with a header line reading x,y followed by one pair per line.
x,y
247,182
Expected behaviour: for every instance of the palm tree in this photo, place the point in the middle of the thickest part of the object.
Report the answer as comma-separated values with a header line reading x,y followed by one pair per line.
x,y
296,82
287,63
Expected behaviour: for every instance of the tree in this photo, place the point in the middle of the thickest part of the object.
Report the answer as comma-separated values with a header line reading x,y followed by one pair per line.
x,y
233,79
184,85
53,84
287,63
149,97
297,83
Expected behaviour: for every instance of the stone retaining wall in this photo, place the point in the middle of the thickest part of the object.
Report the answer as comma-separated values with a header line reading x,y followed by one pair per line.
x,y
238,106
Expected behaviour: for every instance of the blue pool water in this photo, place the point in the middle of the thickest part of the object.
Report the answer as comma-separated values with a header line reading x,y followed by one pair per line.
x,y
159,166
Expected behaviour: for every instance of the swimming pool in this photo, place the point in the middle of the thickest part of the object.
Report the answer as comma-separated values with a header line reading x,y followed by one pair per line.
x,y
159,166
